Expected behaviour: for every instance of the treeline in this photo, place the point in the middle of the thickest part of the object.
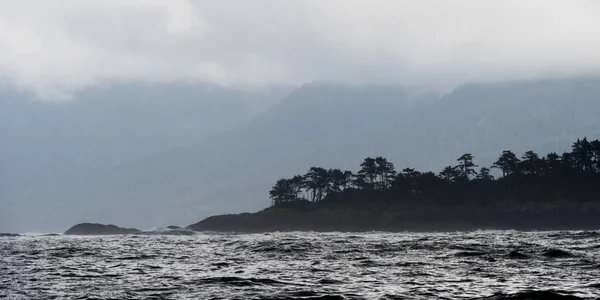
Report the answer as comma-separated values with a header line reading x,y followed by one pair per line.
x,y
571,176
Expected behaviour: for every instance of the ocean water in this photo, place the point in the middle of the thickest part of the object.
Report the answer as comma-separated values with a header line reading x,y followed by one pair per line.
x,y
301,265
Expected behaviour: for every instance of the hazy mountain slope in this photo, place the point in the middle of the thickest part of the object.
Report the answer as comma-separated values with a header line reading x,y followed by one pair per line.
x,y
47,145
328,125
107,126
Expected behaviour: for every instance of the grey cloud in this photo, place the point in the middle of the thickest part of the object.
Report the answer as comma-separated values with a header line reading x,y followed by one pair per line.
x,y
56,47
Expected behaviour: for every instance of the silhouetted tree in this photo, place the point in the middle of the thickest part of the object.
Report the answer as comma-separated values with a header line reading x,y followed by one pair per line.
x,y
507,162
568,161
596,155
317,181
582,154
553,163
368,173
484,174
572,175
450,173
283,191
530,163
385,172
407,180
339,180
298,184
466,166
426,182
348,179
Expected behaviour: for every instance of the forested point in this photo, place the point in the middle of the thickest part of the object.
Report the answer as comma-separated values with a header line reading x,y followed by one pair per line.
x,y
572,177
553,192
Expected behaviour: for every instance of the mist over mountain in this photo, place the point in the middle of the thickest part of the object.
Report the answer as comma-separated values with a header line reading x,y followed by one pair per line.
x,y
143,165
45,144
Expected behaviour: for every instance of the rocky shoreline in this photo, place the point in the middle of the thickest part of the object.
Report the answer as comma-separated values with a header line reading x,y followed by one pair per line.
x,y
356,220
380,217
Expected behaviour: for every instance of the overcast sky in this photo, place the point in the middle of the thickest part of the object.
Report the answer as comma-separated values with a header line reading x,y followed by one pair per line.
x,y
56,47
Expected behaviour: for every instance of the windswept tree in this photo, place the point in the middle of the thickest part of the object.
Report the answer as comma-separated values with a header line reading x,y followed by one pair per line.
x,y
348,179
410,173
426,182
317,181
466,167
368,173
568,161
282,191
407,180
531,163
484,174
507,163
553,164
339,180
572,173
583,155
385,172
450,173
298,184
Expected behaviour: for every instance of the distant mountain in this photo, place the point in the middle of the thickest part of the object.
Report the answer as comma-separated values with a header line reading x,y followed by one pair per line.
x,y
331,125
106,126
45,145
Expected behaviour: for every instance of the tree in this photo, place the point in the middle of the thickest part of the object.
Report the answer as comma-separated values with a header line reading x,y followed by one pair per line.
x,y
385,172
426,182
582,155
450,173
339,180
466,166
507,162
484,174
317,181
530,163
410,173
368,172
572,175
407,180
348,178
553,164
298,184
282,191
596,155
568,161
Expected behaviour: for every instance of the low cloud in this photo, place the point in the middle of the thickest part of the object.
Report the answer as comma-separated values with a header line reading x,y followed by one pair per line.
x,y
56,47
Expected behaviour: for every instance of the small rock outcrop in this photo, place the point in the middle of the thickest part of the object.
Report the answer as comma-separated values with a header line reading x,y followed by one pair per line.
x,y
9,234
173,227
98,229
556,253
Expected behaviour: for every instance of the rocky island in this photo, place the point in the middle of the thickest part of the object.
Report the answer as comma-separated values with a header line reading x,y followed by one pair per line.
x,y
98,229
5,234
551,192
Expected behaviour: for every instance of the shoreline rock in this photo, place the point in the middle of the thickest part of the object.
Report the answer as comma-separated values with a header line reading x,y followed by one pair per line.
x,y
5,234
351,219
98,229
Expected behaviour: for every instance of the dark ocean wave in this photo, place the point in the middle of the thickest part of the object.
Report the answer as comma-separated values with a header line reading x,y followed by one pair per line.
x,y
469,265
